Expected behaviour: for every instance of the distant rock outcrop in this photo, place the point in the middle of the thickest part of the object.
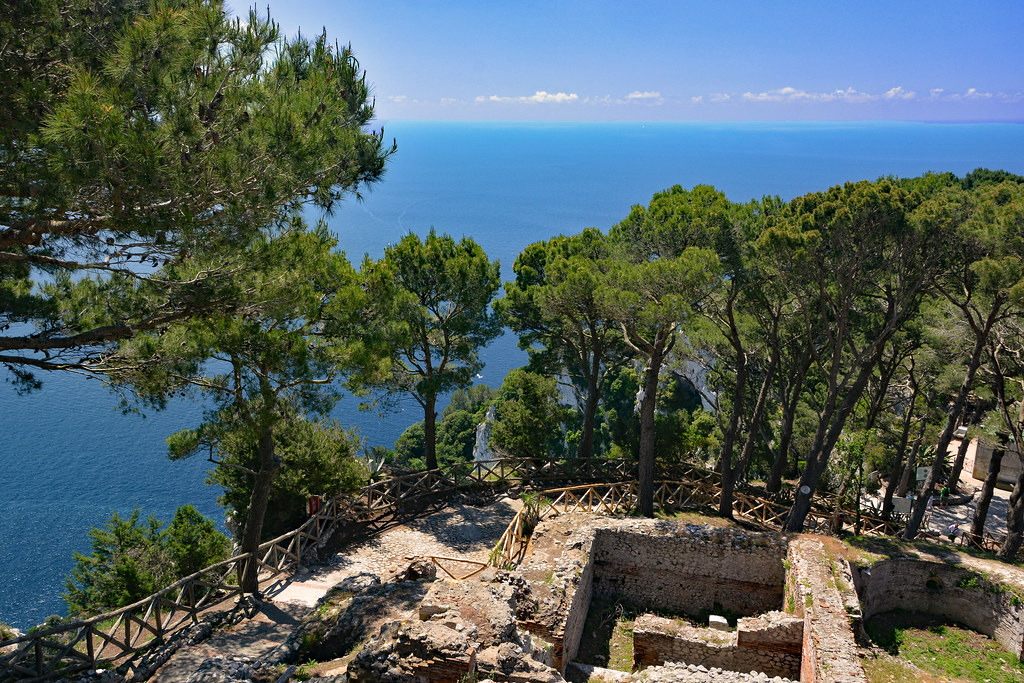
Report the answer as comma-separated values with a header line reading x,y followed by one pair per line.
x,y
481,448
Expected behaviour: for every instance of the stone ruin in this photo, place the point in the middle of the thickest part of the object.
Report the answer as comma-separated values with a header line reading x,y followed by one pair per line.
x,y
525,624
797,608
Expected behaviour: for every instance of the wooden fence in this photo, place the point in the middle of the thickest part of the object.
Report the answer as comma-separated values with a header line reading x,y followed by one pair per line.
x,y
114,638
669,496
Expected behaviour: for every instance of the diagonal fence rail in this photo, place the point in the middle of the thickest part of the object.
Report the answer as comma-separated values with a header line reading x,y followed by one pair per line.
x,y
114,638
669,496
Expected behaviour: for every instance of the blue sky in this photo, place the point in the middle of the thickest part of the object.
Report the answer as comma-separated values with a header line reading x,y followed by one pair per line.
x,y
651,60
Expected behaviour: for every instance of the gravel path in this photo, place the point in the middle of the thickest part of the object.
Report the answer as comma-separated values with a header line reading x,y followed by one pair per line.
x,y
458,531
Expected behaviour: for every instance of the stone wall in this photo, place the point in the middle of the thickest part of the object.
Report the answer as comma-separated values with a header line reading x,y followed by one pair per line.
x,y
689,568
952,592
771,644
558,572
821,589
650,563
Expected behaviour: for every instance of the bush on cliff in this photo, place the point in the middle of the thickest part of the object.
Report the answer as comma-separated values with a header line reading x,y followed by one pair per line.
x,y
130,561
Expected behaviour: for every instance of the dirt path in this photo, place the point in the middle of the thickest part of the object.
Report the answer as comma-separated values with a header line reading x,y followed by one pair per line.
x,y
459,531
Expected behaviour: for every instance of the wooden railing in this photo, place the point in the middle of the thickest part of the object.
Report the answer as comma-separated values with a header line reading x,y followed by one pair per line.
x,y
114,638
669,496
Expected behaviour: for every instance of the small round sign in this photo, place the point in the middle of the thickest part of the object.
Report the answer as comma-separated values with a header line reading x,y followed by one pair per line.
x,y
806,490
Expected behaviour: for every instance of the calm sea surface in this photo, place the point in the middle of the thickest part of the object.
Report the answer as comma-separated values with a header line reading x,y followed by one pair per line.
x,y
68,458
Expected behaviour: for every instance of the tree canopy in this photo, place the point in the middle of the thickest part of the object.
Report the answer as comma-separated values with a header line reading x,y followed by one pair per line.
x,y
137,136
432,312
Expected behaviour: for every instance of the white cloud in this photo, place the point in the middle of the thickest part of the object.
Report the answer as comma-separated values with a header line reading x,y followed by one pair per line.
x,y
398,99
539,97
559,97
789,94
645,95
898,93
973,94
719,97
699,99
849,94
450,100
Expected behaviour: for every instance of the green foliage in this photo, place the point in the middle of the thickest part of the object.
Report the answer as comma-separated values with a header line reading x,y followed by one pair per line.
x,y
264,368
456,437
193,541
558,306
528,418
456,432
984,176
139,133
684,432
318,458
432,314
475,399
130,561
409,447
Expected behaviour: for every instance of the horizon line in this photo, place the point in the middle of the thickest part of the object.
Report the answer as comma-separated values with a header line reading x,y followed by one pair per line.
x,y
709,121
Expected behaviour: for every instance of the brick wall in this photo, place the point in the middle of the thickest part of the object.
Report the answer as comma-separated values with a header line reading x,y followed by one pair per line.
x,y
690,568
821,590
770,644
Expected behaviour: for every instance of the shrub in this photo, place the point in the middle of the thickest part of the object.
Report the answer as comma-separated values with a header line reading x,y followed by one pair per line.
x,y
130,561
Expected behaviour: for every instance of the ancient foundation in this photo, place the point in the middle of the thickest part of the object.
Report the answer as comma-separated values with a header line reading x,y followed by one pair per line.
x,y
771,644
794,607
955,593
695,569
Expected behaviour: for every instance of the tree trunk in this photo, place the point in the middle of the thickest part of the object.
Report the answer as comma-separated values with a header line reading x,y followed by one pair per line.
x,y
989,487
908,471
897,468
586,449
755,419
729,438
792,400
430,431
947,433
1015,506
825,440
645,475
269,463
1014,522
958,465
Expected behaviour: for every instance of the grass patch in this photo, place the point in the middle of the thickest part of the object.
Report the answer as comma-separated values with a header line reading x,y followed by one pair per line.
x,y
704,516
608,635
607,639
937,648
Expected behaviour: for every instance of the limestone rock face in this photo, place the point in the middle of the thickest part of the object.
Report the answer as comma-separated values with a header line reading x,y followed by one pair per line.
x,y
416,569
490,607
481,447
411,652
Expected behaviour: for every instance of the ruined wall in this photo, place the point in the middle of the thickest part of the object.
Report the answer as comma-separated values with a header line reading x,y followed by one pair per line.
x,y
770,644
820,589
558,569
653,563
955,593
689,568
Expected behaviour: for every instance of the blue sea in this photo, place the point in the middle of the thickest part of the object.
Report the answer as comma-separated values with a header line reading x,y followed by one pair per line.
x,y
68,457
